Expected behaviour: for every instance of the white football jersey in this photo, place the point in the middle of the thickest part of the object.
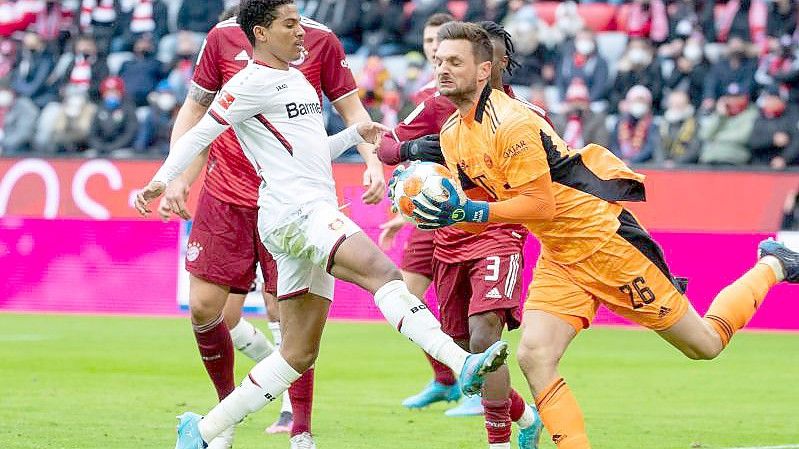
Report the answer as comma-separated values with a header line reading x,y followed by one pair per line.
x,y
277,118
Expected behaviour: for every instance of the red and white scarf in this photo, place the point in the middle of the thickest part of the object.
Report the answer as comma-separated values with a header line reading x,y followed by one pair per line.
x,y
632,140
142,20
81,74
92,10
757,14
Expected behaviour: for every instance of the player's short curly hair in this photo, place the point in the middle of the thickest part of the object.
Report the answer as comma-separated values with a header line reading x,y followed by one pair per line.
x,y
258,12
482,48
497,32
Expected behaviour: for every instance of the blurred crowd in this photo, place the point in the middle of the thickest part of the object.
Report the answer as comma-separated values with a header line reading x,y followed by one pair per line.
x,y
668,82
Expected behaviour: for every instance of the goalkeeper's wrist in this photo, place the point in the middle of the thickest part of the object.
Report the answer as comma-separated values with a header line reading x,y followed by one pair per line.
x,y
476,211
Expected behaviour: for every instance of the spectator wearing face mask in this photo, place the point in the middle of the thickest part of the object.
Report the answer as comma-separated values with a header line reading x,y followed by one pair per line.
x,y
182,67
154,131
585,63
85,69
780,67
17,122
690,70
33,69
636,136
776,142
736,67
73,123
8,59
727,130
578,125
143,72
536,61
114,125
637,67
679,132
689,16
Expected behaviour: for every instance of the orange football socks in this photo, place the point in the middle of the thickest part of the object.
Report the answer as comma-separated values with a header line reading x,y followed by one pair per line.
x,y
562,416
736,304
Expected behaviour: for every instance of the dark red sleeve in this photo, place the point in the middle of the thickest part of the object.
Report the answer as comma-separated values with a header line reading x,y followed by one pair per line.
x,y
208,71
426,119
336,76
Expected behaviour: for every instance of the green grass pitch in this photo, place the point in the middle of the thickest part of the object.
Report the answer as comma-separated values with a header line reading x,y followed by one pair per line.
x,y
108,382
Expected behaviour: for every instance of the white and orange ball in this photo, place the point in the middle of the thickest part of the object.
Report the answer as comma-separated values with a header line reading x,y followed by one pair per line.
x,y
418,178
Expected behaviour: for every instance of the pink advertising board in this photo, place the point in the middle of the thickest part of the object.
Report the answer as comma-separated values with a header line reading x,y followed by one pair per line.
x,y
88,266
131,266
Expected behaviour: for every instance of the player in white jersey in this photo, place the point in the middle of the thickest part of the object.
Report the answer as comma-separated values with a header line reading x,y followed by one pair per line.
x,y
277,119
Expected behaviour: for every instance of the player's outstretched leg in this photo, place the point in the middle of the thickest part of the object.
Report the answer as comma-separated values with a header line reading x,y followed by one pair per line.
x,y
303,320
545,338
358,260
444,386
705,338
285,420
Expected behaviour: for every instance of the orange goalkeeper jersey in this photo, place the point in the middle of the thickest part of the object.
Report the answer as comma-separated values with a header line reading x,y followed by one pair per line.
x,y
501,145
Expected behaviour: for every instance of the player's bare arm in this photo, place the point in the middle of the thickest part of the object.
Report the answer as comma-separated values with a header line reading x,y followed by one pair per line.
x,y
352,111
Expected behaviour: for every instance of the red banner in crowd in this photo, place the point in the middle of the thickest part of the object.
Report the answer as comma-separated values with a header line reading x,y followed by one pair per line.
x,y
710,201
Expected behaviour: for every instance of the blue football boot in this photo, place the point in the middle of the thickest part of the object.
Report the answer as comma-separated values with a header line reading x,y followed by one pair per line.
x,y
432,393
789,259
189,432
477,366
530,436
469,406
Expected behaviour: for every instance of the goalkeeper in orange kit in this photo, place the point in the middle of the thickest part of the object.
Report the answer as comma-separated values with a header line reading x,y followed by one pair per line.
x,y
594,251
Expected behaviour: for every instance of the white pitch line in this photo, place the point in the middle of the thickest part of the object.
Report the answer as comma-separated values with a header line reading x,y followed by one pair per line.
x,y
785,446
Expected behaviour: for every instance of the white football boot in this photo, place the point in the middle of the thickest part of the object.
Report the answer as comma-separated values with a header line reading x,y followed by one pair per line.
x,y
302,441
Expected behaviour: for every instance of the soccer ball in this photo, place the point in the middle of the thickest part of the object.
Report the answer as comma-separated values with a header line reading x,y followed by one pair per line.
x,y
418,178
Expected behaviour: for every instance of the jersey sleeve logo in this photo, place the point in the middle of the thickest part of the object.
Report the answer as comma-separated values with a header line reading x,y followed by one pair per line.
x,y
515,149
225,100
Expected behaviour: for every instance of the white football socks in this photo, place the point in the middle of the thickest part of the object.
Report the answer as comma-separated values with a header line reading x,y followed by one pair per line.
x,y
775,265
499,445
274,327
277,337
412,319
527,419
266,381
250,341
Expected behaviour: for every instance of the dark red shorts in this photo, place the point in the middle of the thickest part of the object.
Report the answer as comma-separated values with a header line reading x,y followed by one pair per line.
x,y
224,246
417,257
491,284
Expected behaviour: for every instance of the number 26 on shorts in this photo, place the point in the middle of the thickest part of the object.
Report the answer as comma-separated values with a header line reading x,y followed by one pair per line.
x,y
638,292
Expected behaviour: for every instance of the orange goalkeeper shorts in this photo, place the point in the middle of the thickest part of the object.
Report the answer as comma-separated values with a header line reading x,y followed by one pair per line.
x,y
628,275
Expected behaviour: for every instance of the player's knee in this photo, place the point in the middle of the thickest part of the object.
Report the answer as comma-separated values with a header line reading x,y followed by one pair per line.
x,y
382,269
300,359
203,312
485,330
534,357
479,342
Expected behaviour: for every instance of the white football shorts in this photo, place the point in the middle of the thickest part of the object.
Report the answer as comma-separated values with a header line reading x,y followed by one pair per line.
x,y
304,245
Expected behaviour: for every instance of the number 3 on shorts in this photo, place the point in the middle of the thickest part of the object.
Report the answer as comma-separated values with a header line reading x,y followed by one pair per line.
x,y
638,288
492,268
